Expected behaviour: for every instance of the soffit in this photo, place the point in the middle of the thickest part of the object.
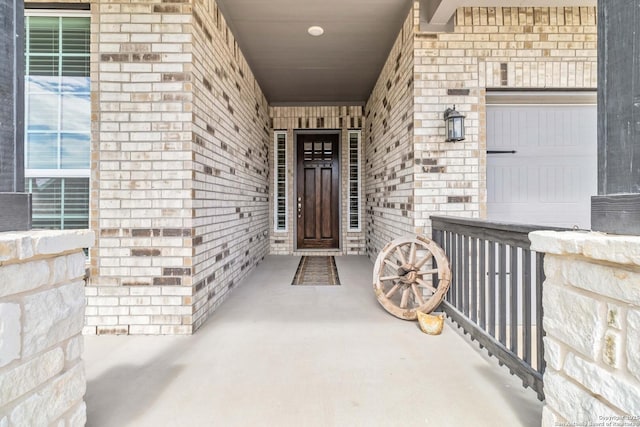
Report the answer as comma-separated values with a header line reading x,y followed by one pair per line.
x,y
340,67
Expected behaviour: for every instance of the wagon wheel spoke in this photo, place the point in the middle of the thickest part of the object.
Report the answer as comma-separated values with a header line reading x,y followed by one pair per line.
x,y
392,290
394,266
403,260
426,285
432,271
382,279
422,262
405,298
412,254
417,294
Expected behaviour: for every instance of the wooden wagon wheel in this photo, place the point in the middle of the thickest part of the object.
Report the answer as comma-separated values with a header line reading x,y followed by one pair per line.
x,y
411,274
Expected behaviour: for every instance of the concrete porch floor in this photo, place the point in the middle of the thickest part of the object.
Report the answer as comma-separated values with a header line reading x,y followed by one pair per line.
x,y
277,355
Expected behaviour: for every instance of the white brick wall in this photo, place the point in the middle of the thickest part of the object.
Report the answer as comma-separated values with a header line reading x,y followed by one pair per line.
x,y
389,146
42,305
541,48
179,167
506,48
591,303
231,134
141,167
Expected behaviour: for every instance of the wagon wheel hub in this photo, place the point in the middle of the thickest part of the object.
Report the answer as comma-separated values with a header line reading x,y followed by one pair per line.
x,y
407,273
409,277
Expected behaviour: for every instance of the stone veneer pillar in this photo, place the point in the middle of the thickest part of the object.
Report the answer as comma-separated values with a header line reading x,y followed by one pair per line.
x,y
42,380
591,305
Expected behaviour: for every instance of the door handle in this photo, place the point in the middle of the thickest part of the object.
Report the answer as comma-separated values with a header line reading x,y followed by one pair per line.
x,y
299,207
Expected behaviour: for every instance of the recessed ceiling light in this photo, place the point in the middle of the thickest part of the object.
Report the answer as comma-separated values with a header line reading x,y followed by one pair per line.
x,y
316,31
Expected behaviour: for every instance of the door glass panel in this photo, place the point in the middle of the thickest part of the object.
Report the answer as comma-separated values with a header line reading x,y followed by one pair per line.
x,y
328,150
308,151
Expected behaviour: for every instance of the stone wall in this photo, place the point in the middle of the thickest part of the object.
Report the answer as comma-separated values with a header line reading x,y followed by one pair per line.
x,y
179,166
290,119
42,303
389,145
591,303
491,47
231,135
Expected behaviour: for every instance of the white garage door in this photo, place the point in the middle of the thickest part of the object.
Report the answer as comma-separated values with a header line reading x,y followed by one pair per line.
x,y
541,158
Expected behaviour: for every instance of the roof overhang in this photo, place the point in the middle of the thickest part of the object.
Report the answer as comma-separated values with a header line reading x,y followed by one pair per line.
x,y
437,15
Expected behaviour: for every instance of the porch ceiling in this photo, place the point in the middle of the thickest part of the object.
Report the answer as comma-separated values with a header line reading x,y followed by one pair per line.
x,y
342,66
292,67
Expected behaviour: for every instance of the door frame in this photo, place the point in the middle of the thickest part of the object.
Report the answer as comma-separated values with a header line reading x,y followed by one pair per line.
x,y
294,208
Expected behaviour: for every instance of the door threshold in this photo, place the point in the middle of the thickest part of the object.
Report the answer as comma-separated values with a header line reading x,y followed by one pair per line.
x,y
319,252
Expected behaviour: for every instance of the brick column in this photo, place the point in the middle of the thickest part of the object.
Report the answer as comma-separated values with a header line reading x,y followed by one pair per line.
x,y
180,176
141,278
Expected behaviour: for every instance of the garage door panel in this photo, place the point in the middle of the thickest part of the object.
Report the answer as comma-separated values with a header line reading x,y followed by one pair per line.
x,y
550,178
512,129
510,126
510,184
561,184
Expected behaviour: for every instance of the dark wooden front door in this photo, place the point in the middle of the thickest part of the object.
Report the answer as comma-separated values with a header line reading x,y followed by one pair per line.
x,y
318,198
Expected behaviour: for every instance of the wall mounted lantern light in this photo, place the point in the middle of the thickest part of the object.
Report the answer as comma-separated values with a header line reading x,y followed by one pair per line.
x,y
454,123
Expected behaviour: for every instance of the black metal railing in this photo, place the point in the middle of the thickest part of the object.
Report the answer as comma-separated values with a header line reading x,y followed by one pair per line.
x,y
496,291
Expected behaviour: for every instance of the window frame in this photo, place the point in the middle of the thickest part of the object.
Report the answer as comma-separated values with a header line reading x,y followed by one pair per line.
x,y
58,172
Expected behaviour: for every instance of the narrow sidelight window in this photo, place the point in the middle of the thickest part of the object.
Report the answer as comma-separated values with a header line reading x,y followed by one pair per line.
x,y
354,180
280,184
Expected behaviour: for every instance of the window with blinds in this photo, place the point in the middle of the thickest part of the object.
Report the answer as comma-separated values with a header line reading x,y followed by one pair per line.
x,y
59,203
57,92
57,117
280,184
354,181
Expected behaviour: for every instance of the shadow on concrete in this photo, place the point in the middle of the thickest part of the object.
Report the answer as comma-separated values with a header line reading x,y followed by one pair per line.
x,y
122,393
530,414
523,400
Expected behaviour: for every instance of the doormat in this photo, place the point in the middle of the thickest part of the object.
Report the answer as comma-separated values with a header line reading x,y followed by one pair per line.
x,y
316,271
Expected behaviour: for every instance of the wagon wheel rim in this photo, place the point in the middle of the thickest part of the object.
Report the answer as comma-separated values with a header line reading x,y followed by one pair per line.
x,y
411,274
